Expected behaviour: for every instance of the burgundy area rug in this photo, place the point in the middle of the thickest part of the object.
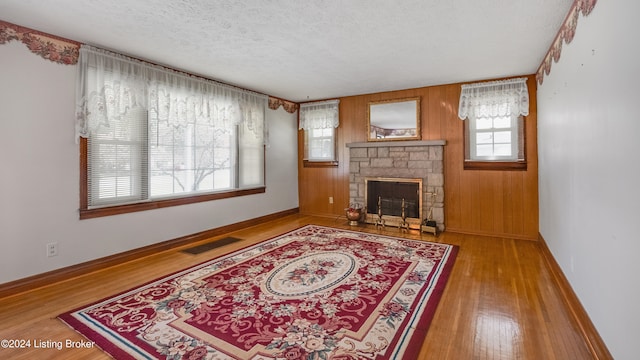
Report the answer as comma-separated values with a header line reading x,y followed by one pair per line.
x,y
313,293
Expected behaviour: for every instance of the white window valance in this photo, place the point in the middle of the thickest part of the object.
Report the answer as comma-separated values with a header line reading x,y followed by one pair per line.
x,y
319,115
494,99
109,85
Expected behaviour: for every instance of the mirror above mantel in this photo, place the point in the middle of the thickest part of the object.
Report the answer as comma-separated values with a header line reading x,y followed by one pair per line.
x,y
392,120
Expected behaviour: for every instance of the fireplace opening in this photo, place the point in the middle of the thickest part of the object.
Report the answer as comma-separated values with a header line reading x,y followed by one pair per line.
x,y
388,195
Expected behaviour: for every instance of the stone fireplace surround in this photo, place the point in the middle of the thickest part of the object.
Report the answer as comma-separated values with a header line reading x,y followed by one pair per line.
x,y
400,159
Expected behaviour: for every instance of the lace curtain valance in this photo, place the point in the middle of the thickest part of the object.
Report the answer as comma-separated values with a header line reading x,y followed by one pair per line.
x,y
494,99
319,115
110,84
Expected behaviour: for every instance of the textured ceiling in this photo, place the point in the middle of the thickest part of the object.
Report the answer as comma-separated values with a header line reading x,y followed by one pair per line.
x,y
312,49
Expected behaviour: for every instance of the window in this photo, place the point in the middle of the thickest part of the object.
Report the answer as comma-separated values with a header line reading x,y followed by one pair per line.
x,y
495,139
153,137
319,121
320,145
117,158
494,131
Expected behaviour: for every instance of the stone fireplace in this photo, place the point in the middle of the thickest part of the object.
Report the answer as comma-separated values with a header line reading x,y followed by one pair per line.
x,y
398,164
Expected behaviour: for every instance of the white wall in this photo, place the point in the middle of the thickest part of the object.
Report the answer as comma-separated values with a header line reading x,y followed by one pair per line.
x,y
589,168
39,178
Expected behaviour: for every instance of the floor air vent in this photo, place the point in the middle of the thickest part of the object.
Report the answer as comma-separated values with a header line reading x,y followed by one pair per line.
x,y
210,245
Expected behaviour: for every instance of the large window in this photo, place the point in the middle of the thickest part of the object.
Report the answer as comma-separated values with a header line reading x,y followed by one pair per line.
x,y
494,131
153,137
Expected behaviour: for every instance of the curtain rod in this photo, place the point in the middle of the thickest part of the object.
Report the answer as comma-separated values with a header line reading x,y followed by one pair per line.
x,y
495,83
119,56
318,103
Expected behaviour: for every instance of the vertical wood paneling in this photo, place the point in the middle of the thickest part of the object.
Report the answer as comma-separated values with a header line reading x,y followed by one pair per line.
x,y
517,201
501,203
455,200
508,202
497,188
530,179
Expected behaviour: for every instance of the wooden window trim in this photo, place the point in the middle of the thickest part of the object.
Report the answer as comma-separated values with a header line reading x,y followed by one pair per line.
x,y
495,165
319,164
86,213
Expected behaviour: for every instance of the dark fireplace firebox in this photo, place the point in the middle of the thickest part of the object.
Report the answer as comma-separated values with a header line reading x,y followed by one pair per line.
x,y
387,196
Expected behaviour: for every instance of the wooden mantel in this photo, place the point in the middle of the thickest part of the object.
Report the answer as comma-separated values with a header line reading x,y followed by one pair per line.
x,y
396,143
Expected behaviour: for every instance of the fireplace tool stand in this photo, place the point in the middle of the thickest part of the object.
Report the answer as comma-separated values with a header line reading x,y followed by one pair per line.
x,y
380,221
404,225
429,225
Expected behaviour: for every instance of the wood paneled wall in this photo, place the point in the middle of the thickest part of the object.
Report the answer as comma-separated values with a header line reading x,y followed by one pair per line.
x,y
485,202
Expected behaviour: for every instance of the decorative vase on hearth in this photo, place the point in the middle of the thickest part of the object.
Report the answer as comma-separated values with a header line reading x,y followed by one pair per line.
x,y
354,214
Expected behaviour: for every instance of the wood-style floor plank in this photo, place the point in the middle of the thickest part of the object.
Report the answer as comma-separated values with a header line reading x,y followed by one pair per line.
x,y
500,301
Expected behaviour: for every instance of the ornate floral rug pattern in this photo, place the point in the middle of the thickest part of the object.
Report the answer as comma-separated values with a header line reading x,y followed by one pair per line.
x,y
313,293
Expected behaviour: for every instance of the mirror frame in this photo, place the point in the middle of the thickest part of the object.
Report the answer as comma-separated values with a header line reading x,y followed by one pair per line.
x,y
389,103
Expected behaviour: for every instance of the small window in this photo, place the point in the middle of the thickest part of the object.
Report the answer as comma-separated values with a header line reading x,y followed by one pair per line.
x,y
320,145
494,143
494,132
319,121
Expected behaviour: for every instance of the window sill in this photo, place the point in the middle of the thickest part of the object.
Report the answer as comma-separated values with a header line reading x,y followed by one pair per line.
x,y
495,165
129,208
318,164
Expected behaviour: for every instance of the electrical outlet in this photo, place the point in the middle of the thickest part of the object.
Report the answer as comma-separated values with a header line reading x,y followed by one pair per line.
x,y
330,199
52,249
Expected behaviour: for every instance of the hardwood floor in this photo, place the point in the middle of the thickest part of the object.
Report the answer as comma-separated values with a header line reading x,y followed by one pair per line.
x,y
500,301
